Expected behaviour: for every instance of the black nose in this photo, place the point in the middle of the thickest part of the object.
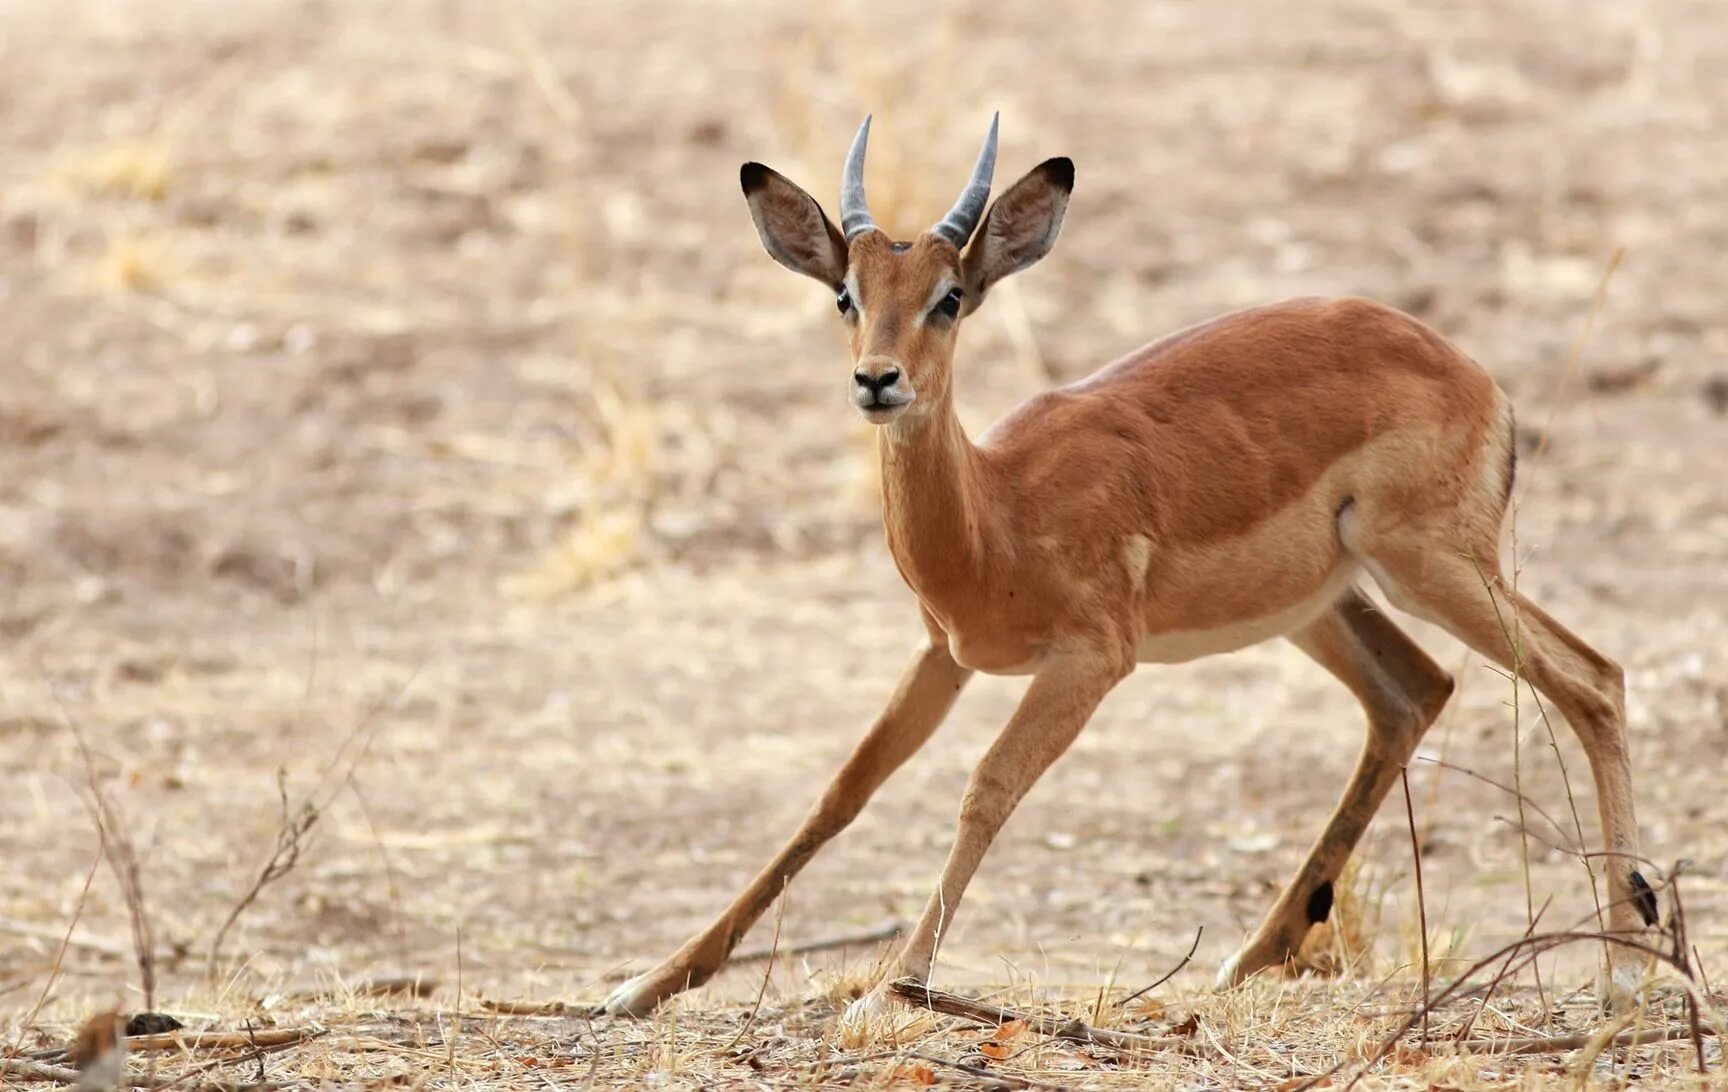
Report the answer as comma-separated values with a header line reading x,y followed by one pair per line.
x,y
876,383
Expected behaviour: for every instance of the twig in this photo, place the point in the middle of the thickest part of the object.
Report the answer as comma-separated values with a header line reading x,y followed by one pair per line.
x,y
888,930
1538,944
1168,975
1421,896
1500,976
952,1004
222,1040
291,841
767,972
291,835
1577,352
65,939
1555,1044
38,1071
530,1008
1682,955
122,859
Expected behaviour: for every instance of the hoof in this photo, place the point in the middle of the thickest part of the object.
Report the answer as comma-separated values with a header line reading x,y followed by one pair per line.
x,y
871,1017
1619,984
643,994
1228,973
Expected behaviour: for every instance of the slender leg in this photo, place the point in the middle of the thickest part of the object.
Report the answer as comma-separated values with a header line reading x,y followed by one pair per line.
x,y
926,692
1402,691
1057,705
1475,603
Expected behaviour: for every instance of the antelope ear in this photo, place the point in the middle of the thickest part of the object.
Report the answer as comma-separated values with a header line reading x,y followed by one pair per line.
x,y
793,227
1020,227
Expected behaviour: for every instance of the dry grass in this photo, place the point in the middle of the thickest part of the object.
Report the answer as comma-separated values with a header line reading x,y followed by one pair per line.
x,y
435,339
1274,1033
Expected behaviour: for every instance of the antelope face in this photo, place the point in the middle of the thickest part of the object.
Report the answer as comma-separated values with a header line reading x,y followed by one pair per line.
x,y
903,302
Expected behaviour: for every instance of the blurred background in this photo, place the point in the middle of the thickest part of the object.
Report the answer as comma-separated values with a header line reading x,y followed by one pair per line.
x,y
400,420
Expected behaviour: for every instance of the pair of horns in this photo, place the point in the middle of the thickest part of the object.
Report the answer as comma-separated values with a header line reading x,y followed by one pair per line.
x,y
962,219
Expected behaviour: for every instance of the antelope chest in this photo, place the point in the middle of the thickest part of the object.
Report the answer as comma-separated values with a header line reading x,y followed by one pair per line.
x,y
989,640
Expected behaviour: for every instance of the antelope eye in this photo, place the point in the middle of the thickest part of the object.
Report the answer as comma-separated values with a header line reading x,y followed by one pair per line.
x,y
950,304
843,300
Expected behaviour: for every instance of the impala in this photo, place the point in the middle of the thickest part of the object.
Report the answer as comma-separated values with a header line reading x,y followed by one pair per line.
x,y
1231,483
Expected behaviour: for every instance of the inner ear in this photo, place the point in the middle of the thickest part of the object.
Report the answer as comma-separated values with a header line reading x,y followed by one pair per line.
x,y
1020,227
793,228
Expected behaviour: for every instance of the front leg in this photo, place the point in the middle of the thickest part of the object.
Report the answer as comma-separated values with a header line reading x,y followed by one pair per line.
x,y
926,692
1060,701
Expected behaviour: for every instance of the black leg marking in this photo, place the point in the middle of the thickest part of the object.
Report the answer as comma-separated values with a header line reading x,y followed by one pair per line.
x,y
1644,898
1320,903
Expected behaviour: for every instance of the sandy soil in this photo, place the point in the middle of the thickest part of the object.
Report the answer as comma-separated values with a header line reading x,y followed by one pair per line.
x,y
395,396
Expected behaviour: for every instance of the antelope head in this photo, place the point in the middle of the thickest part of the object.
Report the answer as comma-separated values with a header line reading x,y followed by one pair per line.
x,y
903,302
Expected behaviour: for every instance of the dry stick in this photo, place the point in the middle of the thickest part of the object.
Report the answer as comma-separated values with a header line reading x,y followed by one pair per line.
x,y
65,940
980,1012
1677,926
456,1017
1577,352
258,1052
767,971
391,880
122,858
1168,975
291,835
291,840
1421,896
221,1040
1508,790
1514,638
1554,1044
1540,943
886,931
1500,976
38,1071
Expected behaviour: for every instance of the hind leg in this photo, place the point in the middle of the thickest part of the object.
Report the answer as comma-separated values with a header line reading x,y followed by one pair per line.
x,y
1465,593
1402,691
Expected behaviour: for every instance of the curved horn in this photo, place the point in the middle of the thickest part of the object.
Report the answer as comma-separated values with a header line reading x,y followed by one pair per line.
x,y
854,212
962,219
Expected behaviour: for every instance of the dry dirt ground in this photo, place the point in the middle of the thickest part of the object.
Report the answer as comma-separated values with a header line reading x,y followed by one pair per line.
x,y
394,399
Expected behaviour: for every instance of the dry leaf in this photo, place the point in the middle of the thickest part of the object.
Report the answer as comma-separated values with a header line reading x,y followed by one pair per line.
x,y
994,1050
1067,1059
915,1074
1009,1030
1148,1008
1188,1026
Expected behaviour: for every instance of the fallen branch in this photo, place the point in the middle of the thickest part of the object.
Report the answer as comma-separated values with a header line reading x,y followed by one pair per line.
x,y
979,1012
528,1008
39,1071
1557,1044
222,1040
888,930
